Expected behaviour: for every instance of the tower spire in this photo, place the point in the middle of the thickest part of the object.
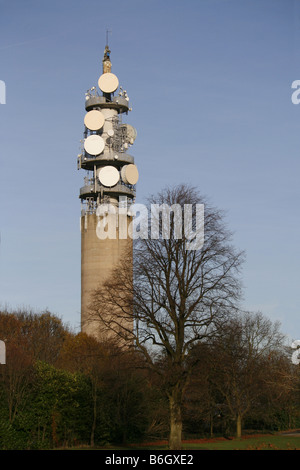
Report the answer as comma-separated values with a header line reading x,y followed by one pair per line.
x,y
106,63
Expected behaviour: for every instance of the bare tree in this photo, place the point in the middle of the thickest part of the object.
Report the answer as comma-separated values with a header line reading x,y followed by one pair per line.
x,y
242,370
16,374
167,297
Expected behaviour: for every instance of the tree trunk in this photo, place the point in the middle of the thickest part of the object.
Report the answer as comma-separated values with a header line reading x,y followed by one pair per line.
x,y
175,401
92,442
211,424
239,426
54,428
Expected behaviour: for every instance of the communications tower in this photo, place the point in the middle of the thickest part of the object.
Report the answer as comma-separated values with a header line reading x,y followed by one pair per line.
x,y
109,183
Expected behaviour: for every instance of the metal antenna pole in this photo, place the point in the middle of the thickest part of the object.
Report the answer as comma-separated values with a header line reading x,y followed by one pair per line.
x,y
107,31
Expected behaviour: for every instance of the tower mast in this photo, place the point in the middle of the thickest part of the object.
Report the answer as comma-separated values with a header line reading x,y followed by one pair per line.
x,y
109,183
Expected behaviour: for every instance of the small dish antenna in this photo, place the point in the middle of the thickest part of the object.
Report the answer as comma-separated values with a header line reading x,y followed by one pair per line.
x,y
94,120
94,144
108,176
108,82
130,174
131,133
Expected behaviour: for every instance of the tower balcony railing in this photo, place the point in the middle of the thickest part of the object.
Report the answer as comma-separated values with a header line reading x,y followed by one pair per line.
x,y
96,101
91,189
87,161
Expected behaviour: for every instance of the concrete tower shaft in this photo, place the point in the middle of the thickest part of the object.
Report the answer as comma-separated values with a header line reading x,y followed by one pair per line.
x,y
109,181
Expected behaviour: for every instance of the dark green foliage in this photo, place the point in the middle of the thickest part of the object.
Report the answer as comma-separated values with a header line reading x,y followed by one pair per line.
x,y
58,403
45,404
127,395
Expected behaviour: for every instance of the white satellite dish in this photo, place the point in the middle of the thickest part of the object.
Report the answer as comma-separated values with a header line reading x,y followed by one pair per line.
x,y
108,82
108,176
94,144
110,132
130,174
131,133
94,120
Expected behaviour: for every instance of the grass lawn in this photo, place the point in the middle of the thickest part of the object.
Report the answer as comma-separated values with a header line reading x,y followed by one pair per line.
x,y
277,442
258,442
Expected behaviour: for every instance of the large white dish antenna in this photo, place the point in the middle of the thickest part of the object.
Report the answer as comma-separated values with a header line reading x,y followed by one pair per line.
x,y
94,120
130,174
108,176
94,144
108,82
131,133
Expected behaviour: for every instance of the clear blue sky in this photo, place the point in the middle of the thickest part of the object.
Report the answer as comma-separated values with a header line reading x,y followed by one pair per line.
x,y
210,87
